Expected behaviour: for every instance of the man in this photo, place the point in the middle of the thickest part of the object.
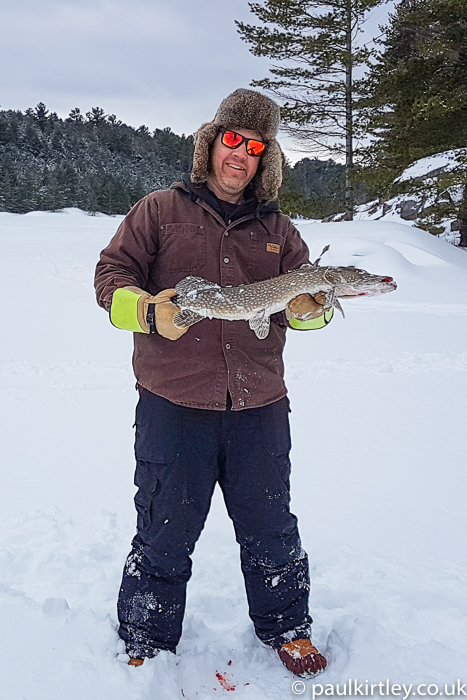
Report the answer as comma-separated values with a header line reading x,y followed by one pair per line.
x,y
213,405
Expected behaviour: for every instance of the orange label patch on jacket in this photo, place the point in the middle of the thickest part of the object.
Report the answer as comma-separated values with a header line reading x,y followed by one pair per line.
x,y
273,248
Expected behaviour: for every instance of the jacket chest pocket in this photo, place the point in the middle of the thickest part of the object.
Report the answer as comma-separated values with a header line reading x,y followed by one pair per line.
x,y
265,255
182,247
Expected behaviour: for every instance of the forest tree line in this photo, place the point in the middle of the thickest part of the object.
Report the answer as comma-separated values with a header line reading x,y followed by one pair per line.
x,y
92,161
97,163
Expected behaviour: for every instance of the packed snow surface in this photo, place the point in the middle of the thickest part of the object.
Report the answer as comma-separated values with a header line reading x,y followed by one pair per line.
x,y
378,482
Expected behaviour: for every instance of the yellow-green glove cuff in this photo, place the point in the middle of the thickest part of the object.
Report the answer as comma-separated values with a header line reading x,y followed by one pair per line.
x,y
124,309
313,324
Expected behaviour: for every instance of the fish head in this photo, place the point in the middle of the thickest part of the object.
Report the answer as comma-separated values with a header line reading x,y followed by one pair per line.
x,y
354,282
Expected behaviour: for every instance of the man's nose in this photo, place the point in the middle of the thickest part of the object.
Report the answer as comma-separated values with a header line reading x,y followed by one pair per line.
x,y
241,151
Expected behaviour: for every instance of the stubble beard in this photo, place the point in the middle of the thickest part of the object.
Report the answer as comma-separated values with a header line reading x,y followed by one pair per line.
x,y
231,185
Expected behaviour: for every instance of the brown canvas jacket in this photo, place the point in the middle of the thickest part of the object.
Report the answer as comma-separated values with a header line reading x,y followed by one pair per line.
x,y
172,233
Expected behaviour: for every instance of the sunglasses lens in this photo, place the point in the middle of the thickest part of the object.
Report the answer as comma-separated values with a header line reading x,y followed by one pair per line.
x,y
255,148
231,139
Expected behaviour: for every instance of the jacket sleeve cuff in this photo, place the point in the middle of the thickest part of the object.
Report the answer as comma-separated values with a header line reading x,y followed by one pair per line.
x,y
125,310
313,324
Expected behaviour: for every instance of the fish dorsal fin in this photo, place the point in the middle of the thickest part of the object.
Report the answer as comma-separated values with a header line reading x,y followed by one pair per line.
x,y
194,284
304,267
186,318
318,260
260,325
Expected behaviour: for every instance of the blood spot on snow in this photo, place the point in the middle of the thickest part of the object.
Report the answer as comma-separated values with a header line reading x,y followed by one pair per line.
x,y
224,681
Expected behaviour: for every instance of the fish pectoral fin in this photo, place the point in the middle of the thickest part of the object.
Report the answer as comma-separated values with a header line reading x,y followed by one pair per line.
x,y
260,325
185,318
333,301
336,303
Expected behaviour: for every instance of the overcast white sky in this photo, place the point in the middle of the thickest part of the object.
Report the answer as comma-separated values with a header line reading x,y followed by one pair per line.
x,y
154,62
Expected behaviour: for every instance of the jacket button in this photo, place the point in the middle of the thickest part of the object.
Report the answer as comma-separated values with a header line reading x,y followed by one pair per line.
x,y
227,346
226,260
226,233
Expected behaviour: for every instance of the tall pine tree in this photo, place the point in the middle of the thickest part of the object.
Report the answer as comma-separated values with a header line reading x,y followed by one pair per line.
x,y
315,46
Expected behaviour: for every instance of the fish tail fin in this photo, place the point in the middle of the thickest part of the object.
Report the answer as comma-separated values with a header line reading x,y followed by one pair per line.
x,y
185,318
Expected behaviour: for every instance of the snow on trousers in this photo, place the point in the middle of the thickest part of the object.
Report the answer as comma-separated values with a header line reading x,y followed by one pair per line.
x,y
181,454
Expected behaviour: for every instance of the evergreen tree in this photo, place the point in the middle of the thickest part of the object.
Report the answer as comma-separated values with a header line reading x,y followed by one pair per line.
x,y
96,116
315,43
417,107
40,115
75,115
462,219
418,85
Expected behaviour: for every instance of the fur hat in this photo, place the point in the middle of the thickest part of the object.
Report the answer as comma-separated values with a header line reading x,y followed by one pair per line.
x,y
245,109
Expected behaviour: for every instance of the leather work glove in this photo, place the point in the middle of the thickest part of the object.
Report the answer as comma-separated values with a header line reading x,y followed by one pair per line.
x,y
164,311
305,307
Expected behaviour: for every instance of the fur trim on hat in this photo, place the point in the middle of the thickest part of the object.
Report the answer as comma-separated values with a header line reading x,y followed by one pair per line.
x,y
245,109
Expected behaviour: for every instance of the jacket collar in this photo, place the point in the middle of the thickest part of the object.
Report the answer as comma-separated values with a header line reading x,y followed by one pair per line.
x,y
249,208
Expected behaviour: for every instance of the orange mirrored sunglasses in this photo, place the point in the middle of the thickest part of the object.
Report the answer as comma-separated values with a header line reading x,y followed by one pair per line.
x,y
233,140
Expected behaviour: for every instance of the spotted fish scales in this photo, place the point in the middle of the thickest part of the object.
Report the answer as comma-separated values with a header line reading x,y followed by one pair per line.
x,y
198,298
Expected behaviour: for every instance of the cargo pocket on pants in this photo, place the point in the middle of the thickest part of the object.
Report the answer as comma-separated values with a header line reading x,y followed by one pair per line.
x,y
148,485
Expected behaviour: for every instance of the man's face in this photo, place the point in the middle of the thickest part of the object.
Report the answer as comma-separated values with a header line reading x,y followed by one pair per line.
x,y
232,169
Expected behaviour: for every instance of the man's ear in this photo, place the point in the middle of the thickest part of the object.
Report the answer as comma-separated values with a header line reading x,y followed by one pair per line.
x,y
201,158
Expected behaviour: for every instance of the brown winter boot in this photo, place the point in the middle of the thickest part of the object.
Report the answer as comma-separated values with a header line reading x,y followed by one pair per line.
x,y
302,658
135,662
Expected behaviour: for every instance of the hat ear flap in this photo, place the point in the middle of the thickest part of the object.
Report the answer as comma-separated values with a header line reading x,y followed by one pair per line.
x,y
203,140
267,182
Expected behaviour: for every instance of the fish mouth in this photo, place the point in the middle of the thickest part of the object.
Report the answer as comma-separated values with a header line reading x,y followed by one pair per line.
x,y
389,285
384,285
350,294
354,296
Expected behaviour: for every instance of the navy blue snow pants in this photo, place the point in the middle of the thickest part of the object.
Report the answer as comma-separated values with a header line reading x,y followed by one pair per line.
x,y
181,454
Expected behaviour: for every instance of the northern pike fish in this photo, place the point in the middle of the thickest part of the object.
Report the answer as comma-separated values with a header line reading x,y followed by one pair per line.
x,y
198,298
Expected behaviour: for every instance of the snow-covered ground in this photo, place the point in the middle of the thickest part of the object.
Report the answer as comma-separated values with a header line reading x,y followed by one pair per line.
x,y
379,478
